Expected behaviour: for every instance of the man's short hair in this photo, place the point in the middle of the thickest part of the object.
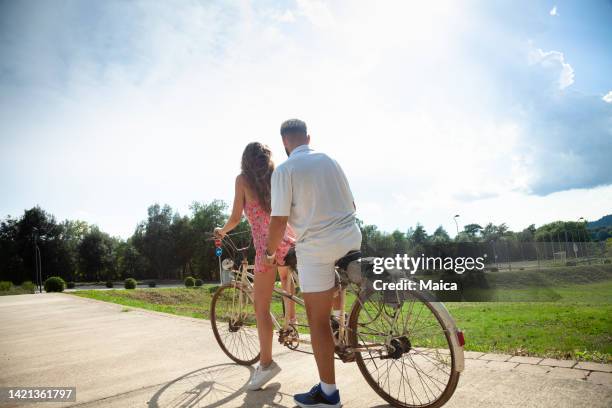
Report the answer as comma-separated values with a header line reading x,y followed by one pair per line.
x,y
293,127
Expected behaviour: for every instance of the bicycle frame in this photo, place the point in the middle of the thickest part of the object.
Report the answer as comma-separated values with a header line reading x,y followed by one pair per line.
x,y
245,277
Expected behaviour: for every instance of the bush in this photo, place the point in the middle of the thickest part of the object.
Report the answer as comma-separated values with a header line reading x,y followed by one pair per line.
x,y
54,284
152,284
212,289
28,286
493,269
70,285
109,284
130,283
5,286
570,263
607,261
189,282
199,282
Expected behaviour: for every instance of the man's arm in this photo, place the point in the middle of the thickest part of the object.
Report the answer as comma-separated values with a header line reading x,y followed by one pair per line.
x,y
281,209
276,233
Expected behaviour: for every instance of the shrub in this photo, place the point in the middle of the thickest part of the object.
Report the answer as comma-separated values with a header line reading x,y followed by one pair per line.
x,y
54,284
189,282
199,282
493,269
109,284
607,261
570,263
130,283
28,286
5,286
213,288
152,284
70,285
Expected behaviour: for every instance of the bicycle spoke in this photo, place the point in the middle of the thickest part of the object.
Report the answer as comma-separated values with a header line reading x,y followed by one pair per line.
x,y
405,354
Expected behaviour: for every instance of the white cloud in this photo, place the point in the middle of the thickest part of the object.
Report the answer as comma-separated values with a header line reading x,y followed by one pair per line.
x,y
607,97
126,115
317,11
553,60
553,11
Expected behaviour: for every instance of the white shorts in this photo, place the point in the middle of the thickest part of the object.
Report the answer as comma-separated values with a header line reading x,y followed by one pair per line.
x,y
316,258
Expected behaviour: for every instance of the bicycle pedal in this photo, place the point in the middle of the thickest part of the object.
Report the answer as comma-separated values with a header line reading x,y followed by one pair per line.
x,y
346,357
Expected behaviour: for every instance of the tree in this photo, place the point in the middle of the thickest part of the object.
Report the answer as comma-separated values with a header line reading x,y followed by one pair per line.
x,y
154,240
528,234
130,263
205,217
558,231
418,236
72,233
96,256
12,267
183,238
400,242
470,233
440,236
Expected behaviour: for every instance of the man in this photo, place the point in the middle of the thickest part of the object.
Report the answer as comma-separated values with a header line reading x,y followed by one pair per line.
x,y
311,192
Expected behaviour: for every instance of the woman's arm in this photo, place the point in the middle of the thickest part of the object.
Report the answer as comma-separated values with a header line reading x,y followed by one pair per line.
x,y
238,207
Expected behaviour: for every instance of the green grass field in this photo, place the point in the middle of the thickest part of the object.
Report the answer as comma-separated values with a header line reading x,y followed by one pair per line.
x,y
572,327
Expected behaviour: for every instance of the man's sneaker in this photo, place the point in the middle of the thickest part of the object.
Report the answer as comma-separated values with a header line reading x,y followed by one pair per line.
x,y
315,398
263,375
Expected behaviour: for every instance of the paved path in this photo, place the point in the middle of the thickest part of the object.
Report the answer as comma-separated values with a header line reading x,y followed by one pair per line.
x,y
145,359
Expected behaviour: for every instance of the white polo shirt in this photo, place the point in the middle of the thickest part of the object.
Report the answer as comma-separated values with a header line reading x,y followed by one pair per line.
x,y
311,189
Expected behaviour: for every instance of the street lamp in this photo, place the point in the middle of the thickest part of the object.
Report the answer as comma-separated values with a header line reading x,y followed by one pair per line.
x,y
456,224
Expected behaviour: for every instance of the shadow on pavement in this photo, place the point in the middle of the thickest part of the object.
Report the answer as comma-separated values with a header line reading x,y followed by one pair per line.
x,y
205,387
268,397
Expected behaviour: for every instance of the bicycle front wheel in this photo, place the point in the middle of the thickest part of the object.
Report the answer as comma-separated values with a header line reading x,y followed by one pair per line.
x,y
403,349
232,315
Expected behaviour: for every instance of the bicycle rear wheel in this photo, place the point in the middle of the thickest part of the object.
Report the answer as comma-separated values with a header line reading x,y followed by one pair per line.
x,y
404,350
232,315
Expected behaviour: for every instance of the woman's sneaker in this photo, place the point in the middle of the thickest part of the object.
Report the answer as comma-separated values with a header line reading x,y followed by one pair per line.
x,y
318,399
262,376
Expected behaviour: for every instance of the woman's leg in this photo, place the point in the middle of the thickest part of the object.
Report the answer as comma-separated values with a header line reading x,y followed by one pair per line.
x,y
287,285
264,283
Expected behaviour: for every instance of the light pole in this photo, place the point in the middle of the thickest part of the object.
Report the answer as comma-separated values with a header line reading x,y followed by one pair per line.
x,y
37,261
456,224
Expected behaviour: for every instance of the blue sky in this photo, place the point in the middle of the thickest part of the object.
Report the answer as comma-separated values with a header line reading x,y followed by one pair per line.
x,y
498,111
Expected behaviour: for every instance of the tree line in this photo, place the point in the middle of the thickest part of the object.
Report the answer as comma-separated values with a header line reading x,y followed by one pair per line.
x,y
167,245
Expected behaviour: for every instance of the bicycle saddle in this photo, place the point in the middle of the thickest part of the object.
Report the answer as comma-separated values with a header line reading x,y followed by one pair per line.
x,y
351,256
291,259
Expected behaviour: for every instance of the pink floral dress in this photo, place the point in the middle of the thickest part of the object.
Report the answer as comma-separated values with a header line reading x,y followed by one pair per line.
x,y
260,221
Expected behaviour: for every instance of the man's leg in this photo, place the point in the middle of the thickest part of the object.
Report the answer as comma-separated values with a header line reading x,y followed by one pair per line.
x,y
318,310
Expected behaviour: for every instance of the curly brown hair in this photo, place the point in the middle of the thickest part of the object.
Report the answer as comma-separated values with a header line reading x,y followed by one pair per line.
x,y
257,167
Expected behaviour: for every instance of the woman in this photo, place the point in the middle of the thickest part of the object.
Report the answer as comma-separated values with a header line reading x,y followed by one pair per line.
x,y
253,196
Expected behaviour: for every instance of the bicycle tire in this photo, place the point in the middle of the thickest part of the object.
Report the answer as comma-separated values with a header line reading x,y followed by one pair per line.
x,y
453,380
231,349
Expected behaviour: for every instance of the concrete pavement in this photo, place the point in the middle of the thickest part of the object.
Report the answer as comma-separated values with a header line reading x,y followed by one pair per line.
x,y
120,358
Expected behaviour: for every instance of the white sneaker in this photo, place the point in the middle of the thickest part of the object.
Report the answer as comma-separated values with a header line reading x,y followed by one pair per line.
x,y
263,375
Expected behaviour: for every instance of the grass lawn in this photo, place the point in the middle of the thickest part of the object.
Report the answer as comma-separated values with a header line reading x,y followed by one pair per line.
x,y
576,326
